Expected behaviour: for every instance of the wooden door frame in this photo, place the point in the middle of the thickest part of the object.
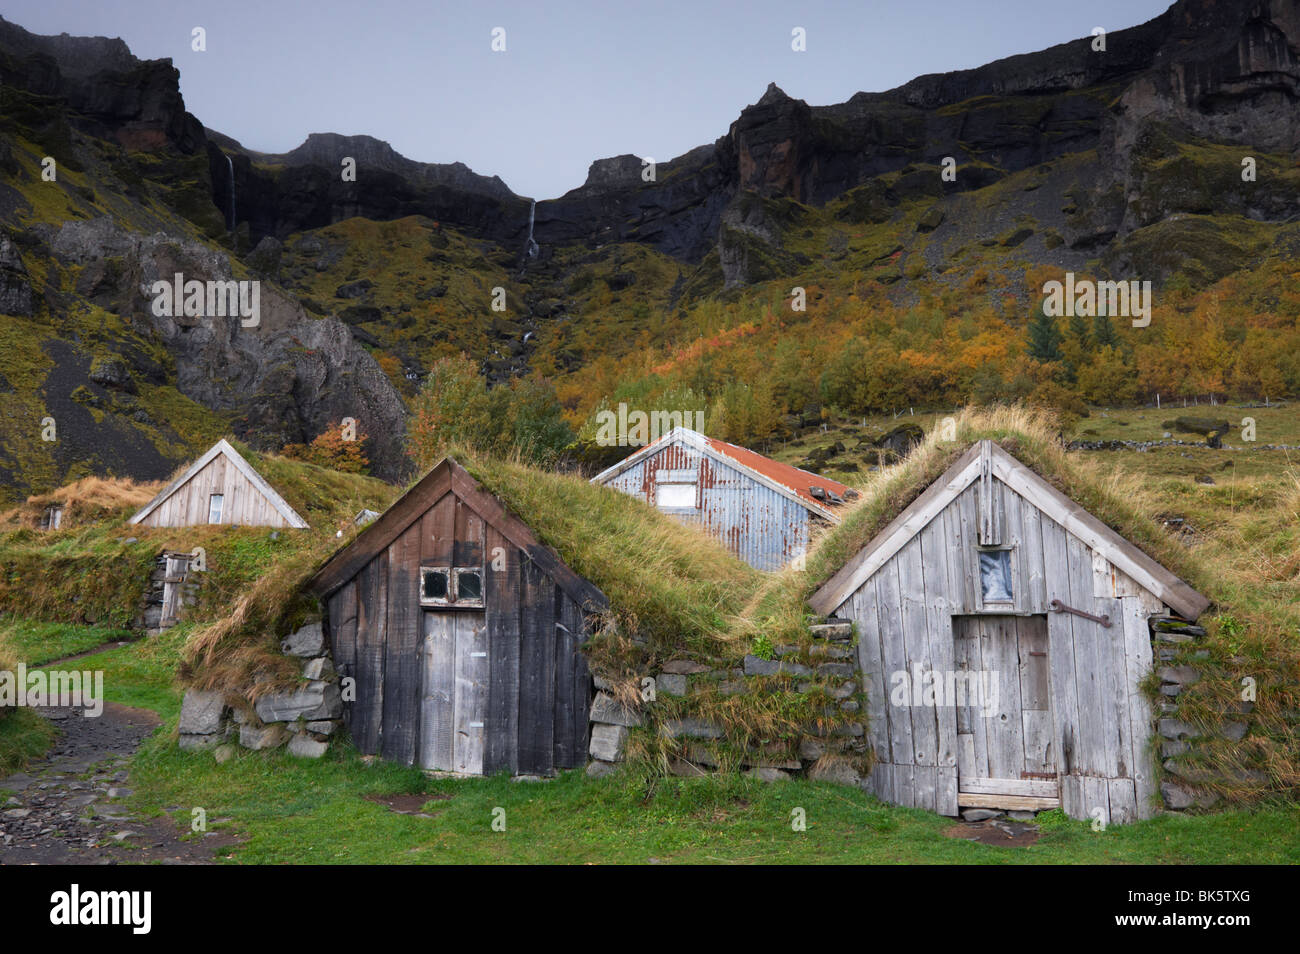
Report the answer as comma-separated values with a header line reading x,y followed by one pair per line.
x,y
1025,794
450,685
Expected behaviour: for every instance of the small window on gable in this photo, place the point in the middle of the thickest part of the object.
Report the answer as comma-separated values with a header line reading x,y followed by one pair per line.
x,y
469,586
215,504
675,496
435,585
995,576
451,586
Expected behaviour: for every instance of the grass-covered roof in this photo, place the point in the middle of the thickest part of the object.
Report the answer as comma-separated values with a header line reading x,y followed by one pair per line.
x,y
1032,437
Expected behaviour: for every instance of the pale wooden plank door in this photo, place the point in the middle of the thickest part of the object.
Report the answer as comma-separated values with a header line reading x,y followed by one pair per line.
x,y
173,577
1005,753
1035,697
438,692
471,692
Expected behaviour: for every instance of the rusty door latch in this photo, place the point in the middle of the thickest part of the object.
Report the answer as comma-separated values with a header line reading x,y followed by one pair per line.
x,y
1058,607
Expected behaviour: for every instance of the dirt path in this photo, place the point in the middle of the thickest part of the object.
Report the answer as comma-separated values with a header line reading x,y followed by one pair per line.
x,y
68,808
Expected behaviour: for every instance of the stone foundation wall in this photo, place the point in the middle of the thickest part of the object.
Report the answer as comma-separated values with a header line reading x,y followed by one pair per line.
x,y
829,666
1174,640
305,719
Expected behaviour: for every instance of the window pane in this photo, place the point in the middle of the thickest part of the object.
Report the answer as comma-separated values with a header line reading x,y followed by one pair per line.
x,y
469,586
995,576
435,585
214,508
675,495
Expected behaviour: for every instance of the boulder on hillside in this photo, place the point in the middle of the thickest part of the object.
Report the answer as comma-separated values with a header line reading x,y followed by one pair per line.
x,y
112,371
901,439
1212,429
357,289
15,289
265,258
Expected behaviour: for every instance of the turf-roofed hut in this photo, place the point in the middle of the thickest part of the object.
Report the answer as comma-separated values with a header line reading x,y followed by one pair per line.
x,y
763,511
1003,637
221,487
463,633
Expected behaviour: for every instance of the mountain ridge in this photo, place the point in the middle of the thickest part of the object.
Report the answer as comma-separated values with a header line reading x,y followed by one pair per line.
x,y
1127,164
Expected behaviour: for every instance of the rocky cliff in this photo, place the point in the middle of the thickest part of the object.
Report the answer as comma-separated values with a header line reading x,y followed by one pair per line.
x,y
1124,160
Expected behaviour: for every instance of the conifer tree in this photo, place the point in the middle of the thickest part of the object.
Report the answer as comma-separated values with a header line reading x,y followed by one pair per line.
x,y
1044,338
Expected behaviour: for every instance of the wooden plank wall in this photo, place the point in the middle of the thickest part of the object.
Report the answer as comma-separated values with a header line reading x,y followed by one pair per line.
x,y
243,504
501,591
1098,725
418,672
402,670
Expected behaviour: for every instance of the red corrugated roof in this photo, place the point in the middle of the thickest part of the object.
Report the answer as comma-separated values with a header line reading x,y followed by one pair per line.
x,y
800,481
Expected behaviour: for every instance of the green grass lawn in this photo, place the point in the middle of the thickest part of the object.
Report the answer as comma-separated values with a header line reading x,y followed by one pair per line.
x,y
143,673
23,736
287,810
36,643
140,674
293,811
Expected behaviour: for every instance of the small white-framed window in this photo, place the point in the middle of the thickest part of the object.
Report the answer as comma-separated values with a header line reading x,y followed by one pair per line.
x,y
469,586
675,496
451,586
995,576
435,585
215,505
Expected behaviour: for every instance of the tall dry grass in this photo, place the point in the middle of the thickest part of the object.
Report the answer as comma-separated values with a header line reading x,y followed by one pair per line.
x,y
8,663
87,500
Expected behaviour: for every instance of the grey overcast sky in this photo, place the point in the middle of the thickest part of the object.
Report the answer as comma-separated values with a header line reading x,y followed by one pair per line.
x,y
578,80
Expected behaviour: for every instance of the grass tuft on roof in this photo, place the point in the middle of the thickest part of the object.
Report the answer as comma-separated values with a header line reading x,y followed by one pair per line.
x,y
1032,436
671,585
88,500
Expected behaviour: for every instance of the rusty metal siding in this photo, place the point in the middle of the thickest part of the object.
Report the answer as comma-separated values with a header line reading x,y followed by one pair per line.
x,y
757,524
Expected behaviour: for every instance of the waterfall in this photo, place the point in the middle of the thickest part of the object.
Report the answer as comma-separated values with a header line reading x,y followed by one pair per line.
x,y
231,166
532,246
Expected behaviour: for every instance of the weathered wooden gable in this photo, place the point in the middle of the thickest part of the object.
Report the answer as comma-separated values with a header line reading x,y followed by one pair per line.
x,y
247,500
916,596
512,669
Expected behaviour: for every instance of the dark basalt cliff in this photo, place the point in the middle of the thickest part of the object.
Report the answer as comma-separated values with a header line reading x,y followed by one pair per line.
x,y
112,93
1222,68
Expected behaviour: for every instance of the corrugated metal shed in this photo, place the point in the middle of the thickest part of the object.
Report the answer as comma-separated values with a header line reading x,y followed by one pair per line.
x,y
762,510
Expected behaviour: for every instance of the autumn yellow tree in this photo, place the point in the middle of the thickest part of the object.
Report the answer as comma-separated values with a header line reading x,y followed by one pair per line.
x,y
339,447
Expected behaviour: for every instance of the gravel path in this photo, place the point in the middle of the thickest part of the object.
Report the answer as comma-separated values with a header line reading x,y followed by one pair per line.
x,y
69,808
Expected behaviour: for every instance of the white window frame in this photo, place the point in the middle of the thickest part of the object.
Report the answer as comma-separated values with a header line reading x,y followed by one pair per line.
x,y
453,599
695,495
220,500
482,585
433,600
